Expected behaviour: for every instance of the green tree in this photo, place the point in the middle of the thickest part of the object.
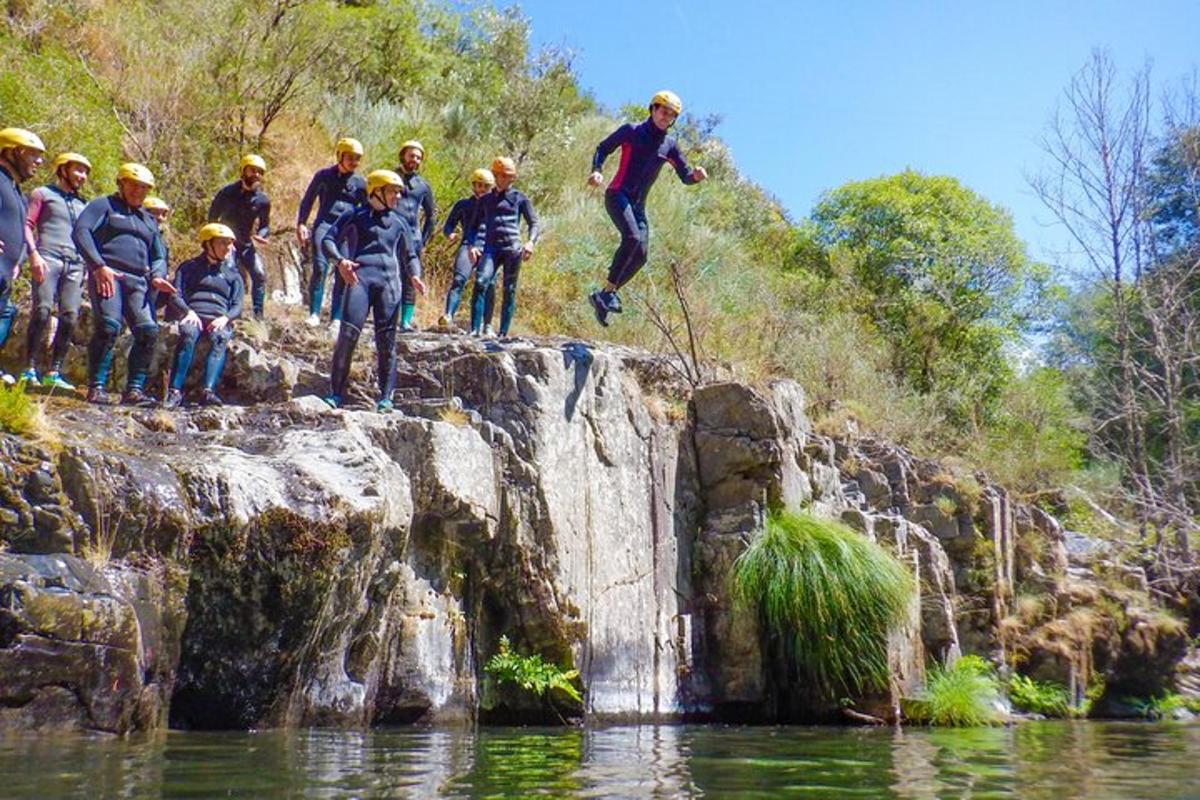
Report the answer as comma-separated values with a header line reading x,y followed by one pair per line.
x,y
941,274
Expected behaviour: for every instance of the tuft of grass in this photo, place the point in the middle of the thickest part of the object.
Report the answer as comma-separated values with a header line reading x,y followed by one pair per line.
x,y
1036,697
454,415
17,409
829,594
946,505
961,695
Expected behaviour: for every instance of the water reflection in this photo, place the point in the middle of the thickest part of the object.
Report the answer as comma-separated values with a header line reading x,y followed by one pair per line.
x,y
1054,760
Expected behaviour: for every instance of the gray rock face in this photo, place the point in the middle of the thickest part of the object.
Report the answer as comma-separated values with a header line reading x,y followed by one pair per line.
x,y
285,564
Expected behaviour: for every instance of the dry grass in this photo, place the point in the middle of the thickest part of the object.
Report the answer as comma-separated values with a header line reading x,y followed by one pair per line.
x,y
455,416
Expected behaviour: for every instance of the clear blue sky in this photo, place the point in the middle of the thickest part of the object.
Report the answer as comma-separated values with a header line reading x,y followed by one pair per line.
x,y
814,95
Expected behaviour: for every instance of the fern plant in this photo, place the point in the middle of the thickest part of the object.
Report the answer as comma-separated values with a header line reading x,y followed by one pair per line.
x,y
532,673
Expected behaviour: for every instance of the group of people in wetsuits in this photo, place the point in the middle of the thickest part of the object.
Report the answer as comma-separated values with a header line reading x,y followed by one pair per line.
x,y
372,231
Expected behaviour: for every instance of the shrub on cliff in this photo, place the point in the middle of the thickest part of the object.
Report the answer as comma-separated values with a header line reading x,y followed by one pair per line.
x,y
960,695
829,595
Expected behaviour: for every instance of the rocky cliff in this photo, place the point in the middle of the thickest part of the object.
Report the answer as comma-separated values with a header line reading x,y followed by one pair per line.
x,y
275,563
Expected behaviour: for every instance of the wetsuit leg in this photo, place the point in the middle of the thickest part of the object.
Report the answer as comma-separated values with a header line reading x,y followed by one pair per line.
x,y
218,346
185,350
462,274
252,264
629,219
44,295
511,262
354,315
385,310
484,278
408,297
320,268
70,298
107,323
138,309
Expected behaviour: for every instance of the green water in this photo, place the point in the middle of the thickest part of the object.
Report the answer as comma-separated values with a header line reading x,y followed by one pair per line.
x,y
1056,760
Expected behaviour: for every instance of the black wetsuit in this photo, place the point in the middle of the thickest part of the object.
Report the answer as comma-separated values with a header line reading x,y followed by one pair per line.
x,y
211,290
384,248
112,233
247,213
334,193
460,214
496,227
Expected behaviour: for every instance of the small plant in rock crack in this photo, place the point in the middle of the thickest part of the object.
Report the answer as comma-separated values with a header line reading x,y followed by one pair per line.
x,y
532,673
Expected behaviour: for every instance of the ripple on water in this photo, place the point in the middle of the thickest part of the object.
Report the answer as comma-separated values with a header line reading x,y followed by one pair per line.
x,y
1052,760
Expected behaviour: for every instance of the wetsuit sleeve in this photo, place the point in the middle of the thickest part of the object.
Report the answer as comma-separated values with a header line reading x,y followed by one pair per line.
x,y
408,246
239,295
90,220
217,207
430,221
176,301
264,220
452,218
675,156
306,203
531,219
158,256
614,140
37,200
332,236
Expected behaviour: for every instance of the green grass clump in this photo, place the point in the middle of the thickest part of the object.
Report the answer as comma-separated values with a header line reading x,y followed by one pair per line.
x,y
963,695
16,409
830,594
1036,697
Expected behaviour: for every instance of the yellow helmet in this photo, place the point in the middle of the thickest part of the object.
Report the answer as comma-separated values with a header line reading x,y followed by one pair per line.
x,y
383,177
153,203
482,175
251,160
412,143
669,99
136,172
505,165
62,159
348,145
19,137
215,230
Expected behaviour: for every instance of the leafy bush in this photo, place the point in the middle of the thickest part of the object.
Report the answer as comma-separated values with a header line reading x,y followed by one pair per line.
x,y
531,673
964,694
1036,697
829,594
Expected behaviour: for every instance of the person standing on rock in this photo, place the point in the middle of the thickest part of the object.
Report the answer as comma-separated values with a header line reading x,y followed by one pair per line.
x,y
482,182
55,267
21,153
335,190
245,207
645,148
161,211
209,295
493,239
122,247
417,201
374,250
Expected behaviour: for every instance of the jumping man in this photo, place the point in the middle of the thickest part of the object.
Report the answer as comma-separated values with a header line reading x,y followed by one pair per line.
x,y
644,150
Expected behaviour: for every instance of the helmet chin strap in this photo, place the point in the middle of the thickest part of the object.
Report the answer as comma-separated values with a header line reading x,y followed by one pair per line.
x,y
375,202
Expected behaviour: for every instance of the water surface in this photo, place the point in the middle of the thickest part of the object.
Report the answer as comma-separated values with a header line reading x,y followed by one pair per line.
x,y
1054,760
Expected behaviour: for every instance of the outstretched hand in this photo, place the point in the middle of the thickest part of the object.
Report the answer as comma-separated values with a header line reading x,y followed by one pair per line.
x,y
596,178
699,174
